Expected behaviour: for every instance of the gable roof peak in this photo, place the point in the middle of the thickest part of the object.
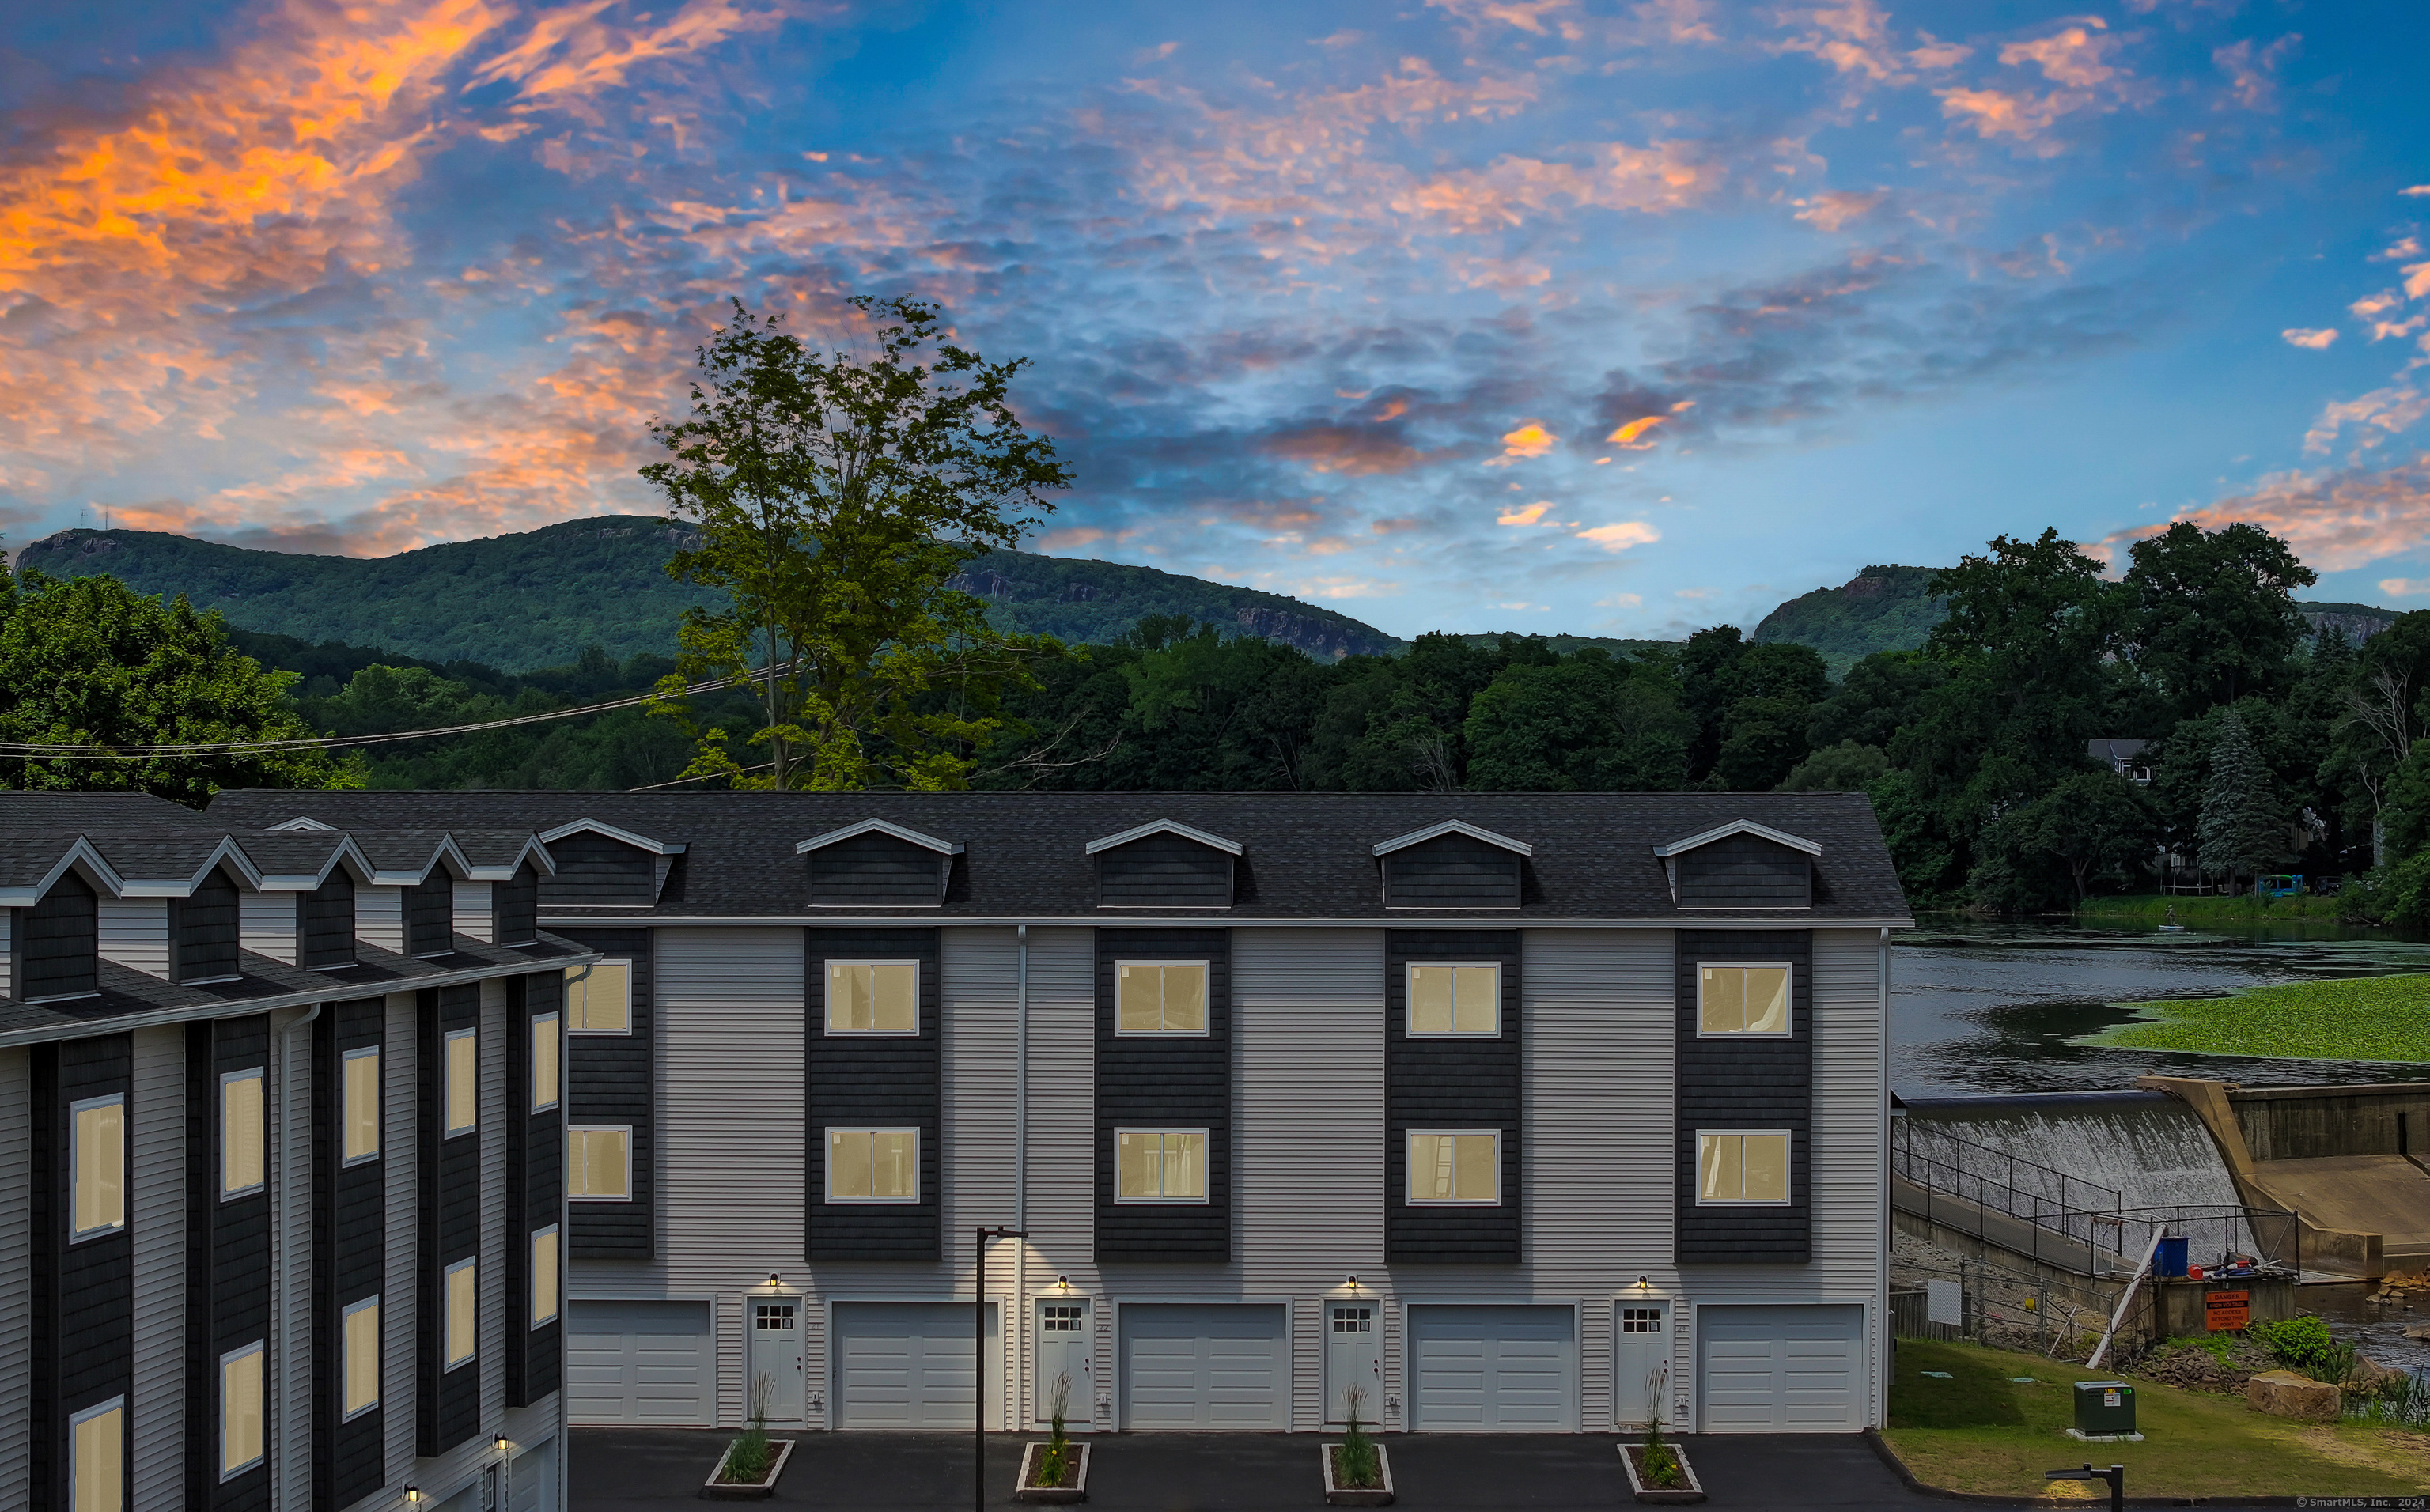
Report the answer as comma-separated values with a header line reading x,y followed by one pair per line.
x,y
1739,826
1453,827
878,827
1161,826
593,826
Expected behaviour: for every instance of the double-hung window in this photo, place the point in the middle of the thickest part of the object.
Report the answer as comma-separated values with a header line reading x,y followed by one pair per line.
x,y
360,1368
599,998
543,1275
1455,998
240,1410
1454,1167
97,1457
599,1164
873,997
873,1165
463,1070
97,1160
1160,997
1742,998
1741,1167
1160,1165
545,1045
241,1133
462,1300
359,1086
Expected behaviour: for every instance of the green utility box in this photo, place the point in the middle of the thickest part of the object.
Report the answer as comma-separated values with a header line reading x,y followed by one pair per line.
x,y
2104,1407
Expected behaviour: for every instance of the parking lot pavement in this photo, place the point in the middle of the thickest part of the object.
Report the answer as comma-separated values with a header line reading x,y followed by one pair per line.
x,y
617,1470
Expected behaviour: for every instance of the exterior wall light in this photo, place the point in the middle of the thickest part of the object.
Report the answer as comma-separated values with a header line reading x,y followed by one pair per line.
x,y
1644,1285
1352,1282
1063,1282
413,1493
500,1444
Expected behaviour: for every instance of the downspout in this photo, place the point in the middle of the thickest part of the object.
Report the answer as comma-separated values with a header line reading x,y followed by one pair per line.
x,y
278,1300
1016,1316
1882,1270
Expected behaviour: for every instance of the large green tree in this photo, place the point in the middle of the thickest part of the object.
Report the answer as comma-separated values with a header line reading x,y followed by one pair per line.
x,y
2241,831
837,495
1584,723
2210,615
85,661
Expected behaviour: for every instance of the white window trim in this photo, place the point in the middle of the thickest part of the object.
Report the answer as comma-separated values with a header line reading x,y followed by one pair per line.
x,y
1409,990
78,1419
76,1236
624,1129
627,1032
531,1308
379,1353
379,1114
261,1347
256,1074
1206,1142
446,1089
826,1005
1121,1033
1788,1165
445,1284
826,1145
1787,1031
1494,1200
558,1019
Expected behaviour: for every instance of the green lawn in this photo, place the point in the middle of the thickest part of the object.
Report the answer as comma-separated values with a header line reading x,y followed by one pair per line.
x,y
1979,1431
2366,1017
2206,908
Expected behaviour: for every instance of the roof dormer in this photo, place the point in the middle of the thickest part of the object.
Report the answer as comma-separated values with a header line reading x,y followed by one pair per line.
x,y
599,866
1741,865
877,865
1452,865
1165,864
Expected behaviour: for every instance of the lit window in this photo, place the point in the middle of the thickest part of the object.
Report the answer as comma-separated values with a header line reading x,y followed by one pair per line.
x,y
361,1083
1160,997
544,1276
463,1081
360,1340
1454,999
1455,1167
1732,1000
599,998
1742,1167
463,1294
873,1165
874,997
241,1434
97,1446
1159,1165
99,1161
240,1133
544,1046
599,1165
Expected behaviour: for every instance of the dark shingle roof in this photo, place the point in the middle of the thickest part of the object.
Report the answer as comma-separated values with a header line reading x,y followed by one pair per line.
x,y
97,813
1307,855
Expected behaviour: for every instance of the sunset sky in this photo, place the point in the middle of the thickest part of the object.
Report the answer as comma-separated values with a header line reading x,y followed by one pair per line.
x,y
1612,318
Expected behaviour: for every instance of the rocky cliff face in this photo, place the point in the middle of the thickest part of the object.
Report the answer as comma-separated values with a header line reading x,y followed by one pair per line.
x,y
2356,628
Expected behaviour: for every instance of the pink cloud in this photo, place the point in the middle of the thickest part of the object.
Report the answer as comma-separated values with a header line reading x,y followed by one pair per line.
x,y
2317,340
2336,518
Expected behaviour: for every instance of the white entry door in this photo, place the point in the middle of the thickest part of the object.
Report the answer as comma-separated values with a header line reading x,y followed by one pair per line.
x,y
1507,1370
1641,1364
1782,1370
1066,1362
775,1357
1353,1362
908,1364
1210,1367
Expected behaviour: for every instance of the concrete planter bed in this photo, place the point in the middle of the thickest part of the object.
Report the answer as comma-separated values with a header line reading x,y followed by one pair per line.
x,y
1075,1479
1337,1494
1630,1456
718,1489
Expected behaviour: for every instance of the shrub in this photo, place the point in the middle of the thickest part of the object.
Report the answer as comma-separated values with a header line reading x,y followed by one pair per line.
x,y
2306,1345
1356,1463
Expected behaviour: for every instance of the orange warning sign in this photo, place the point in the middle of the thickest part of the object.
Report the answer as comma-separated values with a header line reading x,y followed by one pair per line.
x,y
2225,1310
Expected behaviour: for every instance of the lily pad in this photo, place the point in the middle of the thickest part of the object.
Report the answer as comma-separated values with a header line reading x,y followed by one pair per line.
x,y
1940,1376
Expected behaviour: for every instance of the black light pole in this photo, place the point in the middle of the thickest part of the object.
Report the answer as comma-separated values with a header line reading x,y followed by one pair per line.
x,y
978,1363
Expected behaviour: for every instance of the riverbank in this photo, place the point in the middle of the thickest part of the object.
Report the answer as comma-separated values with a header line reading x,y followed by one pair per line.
x,y
2204,908
2366,1017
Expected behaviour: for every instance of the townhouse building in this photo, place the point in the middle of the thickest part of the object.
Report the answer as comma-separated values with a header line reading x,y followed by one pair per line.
x,y
1464,1111
281,1207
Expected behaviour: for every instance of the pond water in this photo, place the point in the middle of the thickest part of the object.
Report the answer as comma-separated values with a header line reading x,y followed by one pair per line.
x,y
1979,1007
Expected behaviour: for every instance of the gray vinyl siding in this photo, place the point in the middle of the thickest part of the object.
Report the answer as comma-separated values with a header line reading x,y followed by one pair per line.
x,y
981,992
203,930
1466,1081
16,1259
1453,872
266,925
400,1283
495,1229
1746,1082
133,933
291,1115
1171,1082
1164,870
1745,872
157,1192
594,870
613,1079
473,915
876,871
379,917
1850,1105
863,1081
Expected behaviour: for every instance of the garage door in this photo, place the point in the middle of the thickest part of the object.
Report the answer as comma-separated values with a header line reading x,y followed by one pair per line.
x,y
1492,1368
1782,1370
1220,1367
907,1365
640,1362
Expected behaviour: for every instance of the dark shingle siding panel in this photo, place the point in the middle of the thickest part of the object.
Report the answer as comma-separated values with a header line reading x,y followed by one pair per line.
x,y
612,1079
328,923
349,1257
874,1082
450,1201
229,1258
59,942
204,930
1164,870
1159,1082
1452,871
594,870
1748,1083
535,1160
1468,1082
1745,872
83,1301
876,871
514,908
430,917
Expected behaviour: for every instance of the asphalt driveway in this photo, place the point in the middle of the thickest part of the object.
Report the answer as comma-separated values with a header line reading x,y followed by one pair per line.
x,y
617,1470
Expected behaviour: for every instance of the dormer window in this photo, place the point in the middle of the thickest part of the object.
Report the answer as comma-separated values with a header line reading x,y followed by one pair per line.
x,y
599,866
1165,865
877,865
1452,865
1741,865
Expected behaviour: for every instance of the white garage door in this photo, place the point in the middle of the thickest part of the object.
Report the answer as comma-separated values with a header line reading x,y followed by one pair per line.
x,y
1512,1370
907,1365
1221,1367
531,1479
640,1362
1782,1370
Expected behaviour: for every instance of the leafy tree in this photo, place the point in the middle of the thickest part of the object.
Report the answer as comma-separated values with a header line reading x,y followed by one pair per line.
x,y
1927,859
2240,830
1843,767
87,662
2210,614
1880,693
837,498
1585,724
2094,825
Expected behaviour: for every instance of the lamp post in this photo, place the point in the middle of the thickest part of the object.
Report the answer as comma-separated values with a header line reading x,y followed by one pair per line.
x,y
978,1365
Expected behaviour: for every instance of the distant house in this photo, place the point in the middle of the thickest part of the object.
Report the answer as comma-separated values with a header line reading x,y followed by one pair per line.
x,y
2125,757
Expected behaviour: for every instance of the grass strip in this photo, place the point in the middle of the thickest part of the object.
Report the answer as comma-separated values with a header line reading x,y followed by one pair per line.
x,y
1980,1431
2204,908
2356,1017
